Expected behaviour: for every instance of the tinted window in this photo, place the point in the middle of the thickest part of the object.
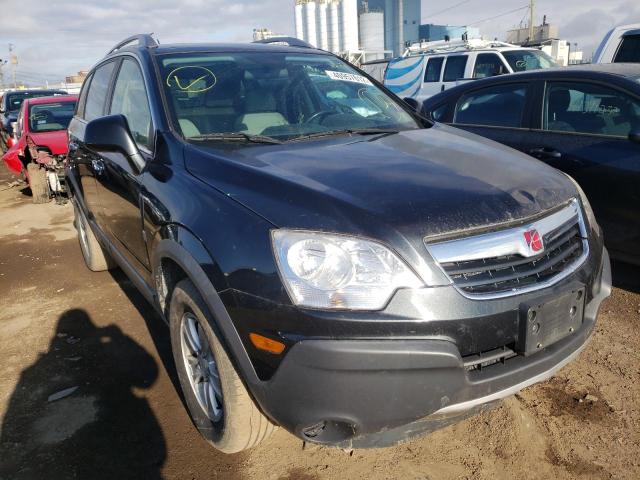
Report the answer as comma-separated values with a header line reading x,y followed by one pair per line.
x,y
590,108
454,69
98,91
14,99
629,50
130,100
432,72
500,106
49,117
83,96
439,114
488,65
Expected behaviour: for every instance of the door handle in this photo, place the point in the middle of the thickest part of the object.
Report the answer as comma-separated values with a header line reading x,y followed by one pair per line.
x,y
545,152
97,166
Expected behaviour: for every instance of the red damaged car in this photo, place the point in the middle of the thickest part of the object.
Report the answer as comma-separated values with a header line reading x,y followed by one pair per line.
x,y
42,144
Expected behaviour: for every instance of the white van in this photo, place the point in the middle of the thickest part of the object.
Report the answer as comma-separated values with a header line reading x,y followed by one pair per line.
x,y
621,44
430,68
376,68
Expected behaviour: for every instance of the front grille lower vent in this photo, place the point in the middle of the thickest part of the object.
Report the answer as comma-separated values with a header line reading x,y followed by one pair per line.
x,y
508,272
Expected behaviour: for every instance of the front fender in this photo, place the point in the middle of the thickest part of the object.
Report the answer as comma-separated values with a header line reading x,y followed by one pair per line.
x,y
178,244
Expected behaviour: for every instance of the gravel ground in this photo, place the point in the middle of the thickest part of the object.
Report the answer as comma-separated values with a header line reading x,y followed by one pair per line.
x,y
62,326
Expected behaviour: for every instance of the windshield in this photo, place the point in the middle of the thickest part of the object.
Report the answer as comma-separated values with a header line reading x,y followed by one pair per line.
x,y
15,99
48,117
523,60
281,96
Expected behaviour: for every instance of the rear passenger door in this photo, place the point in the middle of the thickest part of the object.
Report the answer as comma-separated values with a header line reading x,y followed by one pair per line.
x,y
119,180
584,132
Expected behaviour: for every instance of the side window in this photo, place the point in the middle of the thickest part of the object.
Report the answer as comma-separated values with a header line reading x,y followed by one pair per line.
x,y
130,100
589,108
498,106
432,72
82,100
94,106
454,68
488,65
629,50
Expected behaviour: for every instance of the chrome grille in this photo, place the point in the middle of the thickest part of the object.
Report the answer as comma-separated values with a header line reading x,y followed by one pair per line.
x,y
501,263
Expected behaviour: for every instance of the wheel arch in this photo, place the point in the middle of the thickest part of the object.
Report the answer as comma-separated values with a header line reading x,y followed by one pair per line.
x,y
178,254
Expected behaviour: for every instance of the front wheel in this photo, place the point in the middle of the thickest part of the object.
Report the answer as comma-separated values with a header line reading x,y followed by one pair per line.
x,y
38,183
218,401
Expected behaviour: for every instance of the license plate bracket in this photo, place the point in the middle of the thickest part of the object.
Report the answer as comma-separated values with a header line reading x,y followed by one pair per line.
x,y
544,323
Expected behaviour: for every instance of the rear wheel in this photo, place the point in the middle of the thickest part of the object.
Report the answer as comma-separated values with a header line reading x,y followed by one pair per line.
x,y
218,401
96,258
38,183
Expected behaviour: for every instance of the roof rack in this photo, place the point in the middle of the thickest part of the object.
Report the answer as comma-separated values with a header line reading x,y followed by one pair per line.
x,y
290,41
445,46
143,39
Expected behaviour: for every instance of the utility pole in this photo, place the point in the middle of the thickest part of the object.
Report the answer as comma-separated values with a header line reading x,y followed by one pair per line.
x,y
2,64
531,33
14,61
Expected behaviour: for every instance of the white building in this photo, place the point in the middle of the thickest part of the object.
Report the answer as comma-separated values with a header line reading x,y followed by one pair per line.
x,y
264,34
328,24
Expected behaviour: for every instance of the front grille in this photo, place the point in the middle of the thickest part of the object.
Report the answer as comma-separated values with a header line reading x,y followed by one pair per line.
x,y
563,246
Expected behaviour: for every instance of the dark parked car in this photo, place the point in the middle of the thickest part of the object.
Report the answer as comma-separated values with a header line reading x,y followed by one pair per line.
x,y
584,120
326,260
10,106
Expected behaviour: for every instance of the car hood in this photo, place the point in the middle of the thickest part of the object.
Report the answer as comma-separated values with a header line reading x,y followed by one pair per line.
x,y
416,183
57,142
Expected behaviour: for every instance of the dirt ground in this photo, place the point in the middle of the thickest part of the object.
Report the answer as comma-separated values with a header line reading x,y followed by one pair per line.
x,y
62,326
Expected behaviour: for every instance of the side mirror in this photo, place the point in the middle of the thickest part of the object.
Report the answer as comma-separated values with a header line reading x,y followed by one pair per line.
x,y
112,134
634,136
413,103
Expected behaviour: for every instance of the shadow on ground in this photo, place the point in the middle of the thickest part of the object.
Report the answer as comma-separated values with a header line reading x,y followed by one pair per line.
x,y
626,276
103,429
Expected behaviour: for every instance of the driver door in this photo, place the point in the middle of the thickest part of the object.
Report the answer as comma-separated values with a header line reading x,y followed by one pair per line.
x,y
118,179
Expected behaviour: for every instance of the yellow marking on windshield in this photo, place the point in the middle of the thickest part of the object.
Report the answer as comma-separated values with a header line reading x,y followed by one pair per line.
x,y
208,78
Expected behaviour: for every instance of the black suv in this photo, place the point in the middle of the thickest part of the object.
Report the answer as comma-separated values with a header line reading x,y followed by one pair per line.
x,y
326,260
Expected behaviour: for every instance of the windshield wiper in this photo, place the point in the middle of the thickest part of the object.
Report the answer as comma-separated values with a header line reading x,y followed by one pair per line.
x,y
346,131
236,136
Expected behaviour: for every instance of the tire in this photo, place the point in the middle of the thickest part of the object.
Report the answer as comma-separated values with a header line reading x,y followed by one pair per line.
x,y
38,183
95,257
238,424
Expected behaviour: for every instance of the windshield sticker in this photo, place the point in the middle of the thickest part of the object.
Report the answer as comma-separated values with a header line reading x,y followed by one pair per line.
x,y
191,79
348,77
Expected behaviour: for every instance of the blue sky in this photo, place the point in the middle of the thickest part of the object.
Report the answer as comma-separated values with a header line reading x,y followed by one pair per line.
x,y
57,38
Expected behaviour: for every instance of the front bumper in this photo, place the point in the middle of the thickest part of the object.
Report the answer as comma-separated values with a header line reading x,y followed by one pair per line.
x,y
371,393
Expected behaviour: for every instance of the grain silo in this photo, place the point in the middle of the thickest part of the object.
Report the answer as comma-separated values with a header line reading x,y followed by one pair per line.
x,y
309,22
321,25
300,33
372,31
349,25
333,25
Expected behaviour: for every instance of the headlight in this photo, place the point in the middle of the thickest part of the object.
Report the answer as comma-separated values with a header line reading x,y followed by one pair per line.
x,y
329,271
588,211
